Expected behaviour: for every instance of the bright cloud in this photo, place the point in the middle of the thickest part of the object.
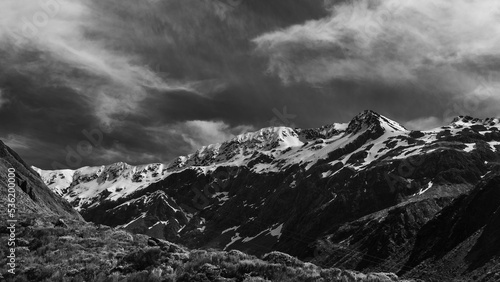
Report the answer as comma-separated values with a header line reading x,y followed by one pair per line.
x,y
198,133
71,53
439,46
424,123
17,142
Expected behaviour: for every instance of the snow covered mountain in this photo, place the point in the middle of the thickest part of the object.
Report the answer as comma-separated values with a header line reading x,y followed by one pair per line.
x,y
293,189
267,150
84,186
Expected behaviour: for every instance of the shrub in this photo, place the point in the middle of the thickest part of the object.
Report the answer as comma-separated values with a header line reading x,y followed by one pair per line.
x,y
282,258
144,258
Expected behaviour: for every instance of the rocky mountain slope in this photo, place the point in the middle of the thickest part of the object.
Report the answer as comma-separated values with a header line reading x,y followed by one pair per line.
x,y
31,195
359,195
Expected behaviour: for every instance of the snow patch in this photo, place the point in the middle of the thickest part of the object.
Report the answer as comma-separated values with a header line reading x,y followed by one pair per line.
x,y
230,229
276,232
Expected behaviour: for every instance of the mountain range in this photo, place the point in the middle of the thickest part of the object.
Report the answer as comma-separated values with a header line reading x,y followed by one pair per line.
x,y
368,195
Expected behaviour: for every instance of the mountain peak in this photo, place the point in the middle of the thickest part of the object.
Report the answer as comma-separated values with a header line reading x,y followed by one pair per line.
x,y
325,132
462,120
371,120
465,119
368,113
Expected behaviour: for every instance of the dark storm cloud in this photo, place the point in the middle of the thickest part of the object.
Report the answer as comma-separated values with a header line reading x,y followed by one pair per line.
x,y
39,118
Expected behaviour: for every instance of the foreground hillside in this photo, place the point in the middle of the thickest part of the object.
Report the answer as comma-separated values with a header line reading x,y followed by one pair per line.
x,y
55,250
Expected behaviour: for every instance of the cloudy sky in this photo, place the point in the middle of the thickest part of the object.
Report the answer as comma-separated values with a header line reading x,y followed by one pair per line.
x,y
91,82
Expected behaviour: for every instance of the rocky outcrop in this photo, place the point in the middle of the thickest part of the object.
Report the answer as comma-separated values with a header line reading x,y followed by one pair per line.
x,y
32,196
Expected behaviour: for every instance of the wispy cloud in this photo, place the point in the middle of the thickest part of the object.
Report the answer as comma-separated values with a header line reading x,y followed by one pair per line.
x,y
425,123
17,142
440,46
198,133
63,32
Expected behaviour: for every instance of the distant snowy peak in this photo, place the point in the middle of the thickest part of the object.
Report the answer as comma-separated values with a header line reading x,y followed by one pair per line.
x,y
265,135
270,148
462,121
324,132
273,141
238,149
111,172
80,187
370,120
58,180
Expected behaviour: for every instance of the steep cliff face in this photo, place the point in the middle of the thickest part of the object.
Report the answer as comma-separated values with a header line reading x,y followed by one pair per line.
x,y
463,239
32,196
355,195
